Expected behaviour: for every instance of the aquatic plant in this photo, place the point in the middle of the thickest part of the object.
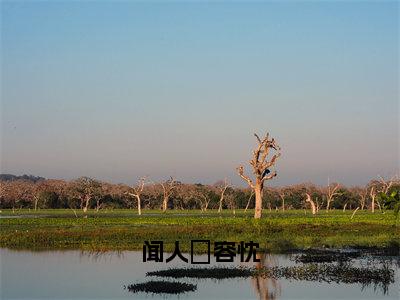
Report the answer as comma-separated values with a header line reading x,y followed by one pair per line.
x,y
210,273
340,273
161,287
326,256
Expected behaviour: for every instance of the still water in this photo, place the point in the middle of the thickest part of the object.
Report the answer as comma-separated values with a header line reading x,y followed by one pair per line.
x,y
83,275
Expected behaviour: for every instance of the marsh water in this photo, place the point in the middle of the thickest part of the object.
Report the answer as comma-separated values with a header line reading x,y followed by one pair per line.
x,y
88,275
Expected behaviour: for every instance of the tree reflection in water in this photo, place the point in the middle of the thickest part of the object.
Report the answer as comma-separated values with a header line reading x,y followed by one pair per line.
x,y
98,255
266,288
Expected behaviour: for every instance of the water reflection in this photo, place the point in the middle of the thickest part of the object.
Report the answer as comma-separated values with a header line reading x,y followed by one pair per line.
x,y
101,274
267,288
98,255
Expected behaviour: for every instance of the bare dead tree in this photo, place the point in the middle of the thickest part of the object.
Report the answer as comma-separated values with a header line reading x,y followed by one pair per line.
x,y
372,194
354,212
231,202
282,195
36,196
137,192
387,184
86,189
222,186
362,193
99,205
168,187
317,204
202,195
261,169
313,207
331,192
379,186
363,198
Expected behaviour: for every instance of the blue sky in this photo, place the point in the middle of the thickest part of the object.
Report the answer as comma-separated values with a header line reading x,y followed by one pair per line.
x,y
117,90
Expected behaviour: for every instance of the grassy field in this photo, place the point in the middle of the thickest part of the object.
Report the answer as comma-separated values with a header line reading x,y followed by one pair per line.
x,y
277,231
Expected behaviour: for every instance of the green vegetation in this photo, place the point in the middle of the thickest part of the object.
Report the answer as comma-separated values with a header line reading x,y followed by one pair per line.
x,y
277,231
391,201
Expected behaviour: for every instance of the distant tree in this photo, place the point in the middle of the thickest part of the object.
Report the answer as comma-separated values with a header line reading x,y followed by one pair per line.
x,y
284,192
251,194
47,198
137,192
114,196
221,186
272,197
40,194
17,193
241,196
362,193
261,169
373,193
312,204
61,188
10,177
168,187
231,200
379,186
345,198
204,195
391,201
86,190
330,192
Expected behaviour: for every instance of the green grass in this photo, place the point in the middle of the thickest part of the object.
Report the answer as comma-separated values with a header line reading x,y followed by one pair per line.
x,y
125,230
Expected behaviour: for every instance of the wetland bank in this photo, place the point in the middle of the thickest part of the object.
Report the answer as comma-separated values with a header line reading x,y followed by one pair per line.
x,y
277,231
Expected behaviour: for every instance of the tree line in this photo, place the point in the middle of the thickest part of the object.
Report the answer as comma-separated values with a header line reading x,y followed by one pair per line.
x,y
87,193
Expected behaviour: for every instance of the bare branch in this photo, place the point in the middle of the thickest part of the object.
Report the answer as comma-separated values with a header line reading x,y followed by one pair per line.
x,y
241,174
270,176
258,138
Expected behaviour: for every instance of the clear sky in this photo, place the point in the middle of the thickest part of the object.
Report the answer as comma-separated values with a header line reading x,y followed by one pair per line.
x,y
117,90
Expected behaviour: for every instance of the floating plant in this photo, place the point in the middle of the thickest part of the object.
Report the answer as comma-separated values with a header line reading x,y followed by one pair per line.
x,y
161,287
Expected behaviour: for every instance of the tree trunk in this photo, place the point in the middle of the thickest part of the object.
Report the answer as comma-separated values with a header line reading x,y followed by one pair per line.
x,y
97,205
313,208
165,204
139,207
373,204
258,205
85,208
221,199
379,205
